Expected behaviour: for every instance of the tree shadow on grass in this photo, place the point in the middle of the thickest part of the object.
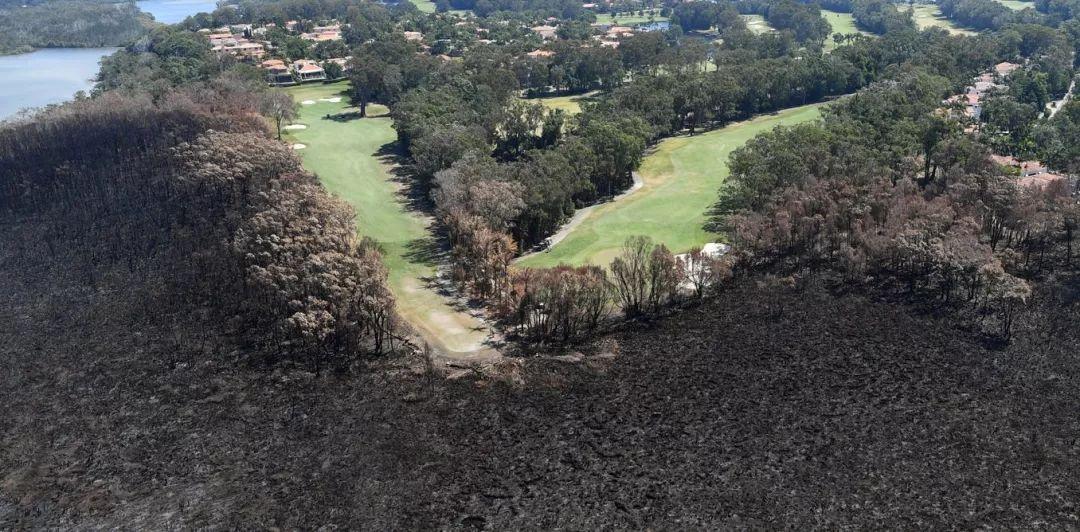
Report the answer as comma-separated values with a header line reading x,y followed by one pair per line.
x,y
346,116
414,194
428,251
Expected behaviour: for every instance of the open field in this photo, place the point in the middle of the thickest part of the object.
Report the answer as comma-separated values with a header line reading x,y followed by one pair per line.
x,y
627,19
425,6
681,179
571,104
843,23
346,155
1017,5
929,16
757,24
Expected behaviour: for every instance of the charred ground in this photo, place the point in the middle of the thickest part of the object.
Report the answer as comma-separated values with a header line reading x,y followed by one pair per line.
x,y
754,410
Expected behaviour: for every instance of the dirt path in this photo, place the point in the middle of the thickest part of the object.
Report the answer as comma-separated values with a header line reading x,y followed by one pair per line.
x,y
1053,107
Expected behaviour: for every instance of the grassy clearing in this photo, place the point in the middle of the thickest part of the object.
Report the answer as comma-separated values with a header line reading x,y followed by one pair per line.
x,y
346,155
570,104
757,24
425,6
929,16
629,19
1017,5
843,23
682,177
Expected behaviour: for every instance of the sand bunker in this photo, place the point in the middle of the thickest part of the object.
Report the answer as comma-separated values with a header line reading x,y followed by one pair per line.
x,y
308,102
335,99
293,127
299,146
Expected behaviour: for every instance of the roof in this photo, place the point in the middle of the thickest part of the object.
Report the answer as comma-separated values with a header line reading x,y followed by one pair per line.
x,y
540,53
1005,160
413,36
1005,68
1040,180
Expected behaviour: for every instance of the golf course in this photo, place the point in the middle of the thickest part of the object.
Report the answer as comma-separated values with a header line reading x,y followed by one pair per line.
x,y
843,23
1017,5
352,157
631,18
682,176
757,24
570,104
355,157
929,16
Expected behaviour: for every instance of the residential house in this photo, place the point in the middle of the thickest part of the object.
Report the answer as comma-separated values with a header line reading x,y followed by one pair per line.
x,y
540,53
307,70
1005,68
414,36
277,72
545,32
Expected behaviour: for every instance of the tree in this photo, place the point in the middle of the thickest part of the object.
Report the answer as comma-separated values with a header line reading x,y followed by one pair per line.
x,y
333,70
279,107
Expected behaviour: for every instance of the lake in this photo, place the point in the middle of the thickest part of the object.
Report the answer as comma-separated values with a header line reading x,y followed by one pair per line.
x,y
43,77
54,75
173,11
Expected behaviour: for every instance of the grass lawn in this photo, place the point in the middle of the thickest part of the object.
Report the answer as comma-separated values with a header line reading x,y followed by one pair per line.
x,y
425,6
570,104
629,19
929,16
344,153
682,177
757,24
1017,5
843,23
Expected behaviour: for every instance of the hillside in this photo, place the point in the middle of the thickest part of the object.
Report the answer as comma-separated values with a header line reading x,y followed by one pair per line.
x,y
755,410
69,24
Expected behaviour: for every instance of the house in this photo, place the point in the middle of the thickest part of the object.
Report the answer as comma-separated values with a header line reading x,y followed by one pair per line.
x,y
545,32
540,53
322,36
277,72
221,39
619,31
414,36
588,6
1005,68
343,62
1041,180
1006,161
308,70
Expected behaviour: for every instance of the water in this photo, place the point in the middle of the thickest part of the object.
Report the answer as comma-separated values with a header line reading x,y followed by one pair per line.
x,y
48,76
54,75
173,11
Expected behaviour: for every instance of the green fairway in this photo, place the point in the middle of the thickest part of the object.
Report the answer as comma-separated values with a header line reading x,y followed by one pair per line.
x,y
843,23
630,19
425,6
757,24
344,152
1017,5
682,178
570,104
929,16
